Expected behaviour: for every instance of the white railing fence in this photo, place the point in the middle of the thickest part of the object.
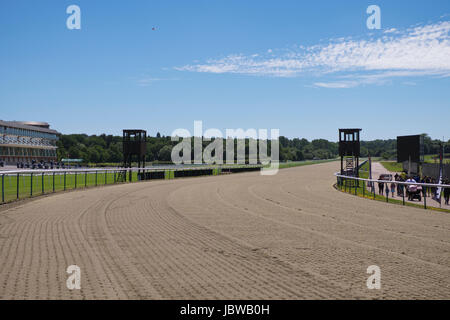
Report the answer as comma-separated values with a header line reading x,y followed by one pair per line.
x,y
357,186
19,184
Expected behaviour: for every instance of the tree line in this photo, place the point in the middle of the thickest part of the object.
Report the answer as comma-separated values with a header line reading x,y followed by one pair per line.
x,y
108,148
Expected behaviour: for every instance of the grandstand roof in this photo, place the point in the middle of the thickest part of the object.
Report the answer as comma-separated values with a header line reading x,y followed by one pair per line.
x,y
34,126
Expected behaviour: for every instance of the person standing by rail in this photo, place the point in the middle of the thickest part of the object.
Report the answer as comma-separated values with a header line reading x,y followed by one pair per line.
x,y
381,187
433,189
392,189
447,193
400,187
428,189
424,189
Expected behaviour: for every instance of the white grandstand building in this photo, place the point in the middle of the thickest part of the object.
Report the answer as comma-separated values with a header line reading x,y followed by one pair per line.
x,y
24,141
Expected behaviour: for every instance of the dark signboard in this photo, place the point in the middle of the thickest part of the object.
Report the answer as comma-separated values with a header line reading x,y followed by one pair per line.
x,y
410,148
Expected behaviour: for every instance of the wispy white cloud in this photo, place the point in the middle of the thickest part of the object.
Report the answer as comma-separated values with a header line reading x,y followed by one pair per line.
x,y
146,82
418,51
392,30
337,84
351,80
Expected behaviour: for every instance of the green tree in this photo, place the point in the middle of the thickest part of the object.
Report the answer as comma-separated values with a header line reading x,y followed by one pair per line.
x,y
165,153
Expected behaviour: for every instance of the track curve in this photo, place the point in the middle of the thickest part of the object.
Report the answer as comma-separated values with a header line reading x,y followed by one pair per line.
x,y
242,236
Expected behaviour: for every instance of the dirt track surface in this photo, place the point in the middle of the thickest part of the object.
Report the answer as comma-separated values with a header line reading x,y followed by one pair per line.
x,y
242,236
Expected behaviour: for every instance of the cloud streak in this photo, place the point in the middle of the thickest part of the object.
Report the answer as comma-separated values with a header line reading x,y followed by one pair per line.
x,y
148,81
418,51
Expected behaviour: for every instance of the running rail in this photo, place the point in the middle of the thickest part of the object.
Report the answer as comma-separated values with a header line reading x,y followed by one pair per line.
x,y
147,169
20,184
341,177
337,174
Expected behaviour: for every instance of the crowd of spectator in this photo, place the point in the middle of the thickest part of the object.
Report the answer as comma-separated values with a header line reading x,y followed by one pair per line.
x,y
44,165
392,187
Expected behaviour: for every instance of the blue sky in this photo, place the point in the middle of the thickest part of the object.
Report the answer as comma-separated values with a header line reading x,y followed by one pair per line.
x,y
304,67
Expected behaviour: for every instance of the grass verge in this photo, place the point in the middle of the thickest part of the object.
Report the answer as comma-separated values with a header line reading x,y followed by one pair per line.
x,y
27,185
392,166
293,164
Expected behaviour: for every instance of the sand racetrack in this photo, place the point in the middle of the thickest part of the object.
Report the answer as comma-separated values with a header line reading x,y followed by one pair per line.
x,y
241,236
